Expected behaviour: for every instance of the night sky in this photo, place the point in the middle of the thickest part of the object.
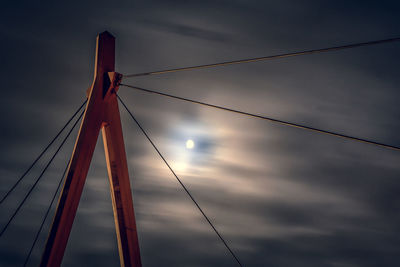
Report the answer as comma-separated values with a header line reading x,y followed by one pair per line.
x,y
280,196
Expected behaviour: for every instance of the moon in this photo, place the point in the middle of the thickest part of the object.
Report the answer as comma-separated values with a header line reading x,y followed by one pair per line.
x,y
189,144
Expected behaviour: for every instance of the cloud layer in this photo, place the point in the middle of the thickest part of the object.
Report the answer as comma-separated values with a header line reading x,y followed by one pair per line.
x,y
280,196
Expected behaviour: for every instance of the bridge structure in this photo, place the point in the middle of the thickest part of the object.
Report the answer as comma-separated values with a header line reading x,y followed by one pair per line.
x,y
100,113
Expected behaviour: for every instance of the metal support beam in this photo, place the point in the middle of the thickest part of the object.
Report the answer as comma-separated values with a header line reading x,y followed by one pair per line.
x,y
101,113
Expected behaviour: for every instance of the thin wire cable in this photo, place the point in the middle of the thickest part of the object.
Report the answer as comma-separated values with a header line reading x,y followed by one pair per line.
x,y
41,175
181,183
41,154
248,60
304,127
45,216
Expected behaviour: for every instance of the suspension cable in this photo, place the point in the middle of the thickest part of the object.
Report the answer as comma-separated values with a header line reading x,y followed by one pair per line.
x,y
42,153
45,216
291,124
41,175
181,183
249,60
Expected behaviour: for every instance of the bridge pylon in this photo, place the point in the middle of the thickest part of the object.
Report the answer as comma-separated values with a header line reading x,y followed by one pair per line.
x,y
101,113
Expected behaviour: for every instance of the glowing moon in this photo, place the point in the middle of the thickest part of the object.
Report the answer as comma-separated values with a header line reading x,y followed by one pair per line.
x,y
189,144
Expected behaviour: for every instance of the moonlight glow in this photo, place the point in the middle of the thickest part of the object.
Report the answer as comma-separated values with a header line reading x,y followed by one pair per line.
x,y
189,144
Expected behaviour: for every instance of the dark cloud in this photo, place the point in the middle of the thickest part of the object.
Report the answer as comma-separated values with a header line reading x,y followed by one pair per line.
x,y
187,31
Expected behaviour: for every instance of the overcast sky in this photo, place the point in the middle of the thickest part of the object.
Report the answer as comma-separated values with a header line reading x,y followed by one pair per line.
x,y
280,196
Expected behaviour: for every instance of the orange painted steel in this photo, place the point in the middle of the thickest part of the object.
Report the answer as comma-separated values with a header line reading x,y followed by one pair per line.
x,y
101,113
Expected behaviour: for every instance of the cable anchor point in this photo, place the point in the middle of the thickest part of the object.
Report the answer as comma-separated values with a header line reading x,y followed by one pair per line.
x,y
115,79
